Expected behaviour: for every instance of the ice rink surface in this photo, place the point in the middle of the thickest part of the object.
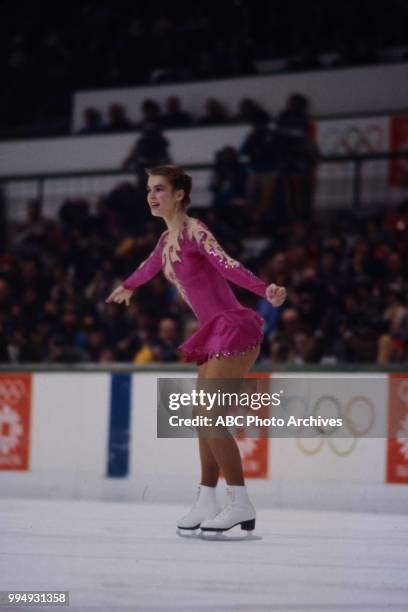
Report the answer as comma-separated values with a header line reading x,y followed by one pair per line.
x,y
126,556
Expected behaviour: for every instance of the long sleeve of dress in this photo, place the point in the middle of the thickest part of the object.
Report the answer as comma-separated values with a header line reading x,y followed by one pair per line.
x,y
228,267
147,269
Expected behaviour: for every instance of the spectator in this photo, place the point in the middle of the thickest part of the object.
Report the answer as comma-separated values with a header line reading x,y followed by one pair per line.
x,y
347,286
304,348
108,355
35,226
278,268
259,147
165,346
393,342
280,351
60,351
396,311
298,156
151,117
126,207
145,353
290,325
175,116
118,121
215,113
151,149
92,122
190,327
177,47
5,297
270,315
95,344
4,351
228,183
74,214
249,111
294,120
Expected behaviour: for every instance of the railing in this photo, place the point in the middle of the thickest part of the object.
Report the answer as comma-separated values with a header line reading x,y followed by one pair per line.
x,y
344,182
372,368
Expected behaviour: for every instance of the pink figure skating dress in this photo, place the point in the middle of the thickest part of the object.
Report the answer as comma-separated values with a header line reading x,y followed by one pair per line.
x,y
197,265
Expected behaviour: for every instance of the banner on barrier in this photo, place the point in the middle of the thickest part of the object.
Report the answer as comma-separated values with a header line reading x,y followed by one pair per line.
x,y
15,421
399,142
254,454
397,451
353,136
255,451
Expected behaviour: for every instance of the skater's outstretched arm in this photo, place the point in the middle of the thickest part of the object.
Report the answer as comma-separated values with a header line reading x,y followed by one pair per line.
x,y
234,271
145,272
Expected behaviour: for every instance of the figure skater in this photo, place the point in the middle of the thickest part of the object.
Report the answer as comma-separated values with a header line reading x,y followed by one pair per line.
x,y
227,342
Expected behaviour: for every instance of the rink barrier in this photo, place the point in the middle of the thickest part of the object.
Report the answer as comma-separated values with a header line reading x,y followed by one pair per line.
x,y
91,432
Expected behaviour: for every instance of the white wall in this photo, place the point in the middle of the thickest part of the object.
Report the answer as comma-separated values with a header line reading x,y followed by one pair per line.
x,y
90,153
69,443
82,153
194,146
343,90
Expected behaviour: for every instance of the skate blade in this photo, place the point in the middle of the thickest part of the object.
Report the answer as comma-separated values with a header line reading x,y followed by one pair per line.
x,y
188,533
219,536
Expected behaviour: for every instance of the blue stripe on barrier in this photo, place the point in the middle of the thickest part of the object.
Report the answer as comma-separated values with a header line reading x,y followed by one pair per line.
x,y
119,426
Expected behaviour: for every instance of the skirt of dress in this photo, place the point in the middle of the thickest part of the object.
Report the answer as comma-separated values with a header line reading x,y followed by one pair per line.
x,y
228,333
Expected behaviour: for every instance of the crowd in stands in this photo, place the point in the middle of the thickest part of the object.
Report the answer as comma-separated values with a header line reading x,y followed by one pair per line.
x,y
347,282
94,45
174,116
270,160
347,286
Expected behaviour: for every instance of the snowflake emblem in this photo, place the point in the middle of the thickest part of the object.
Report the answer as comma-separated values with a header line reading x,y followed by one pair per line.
x,y
246,446
10,429
403,391
402,437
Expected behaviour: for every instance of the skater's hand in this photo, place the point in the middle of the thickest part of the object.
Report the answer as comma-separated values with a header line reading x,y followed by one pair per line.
x,y
275,295
120,295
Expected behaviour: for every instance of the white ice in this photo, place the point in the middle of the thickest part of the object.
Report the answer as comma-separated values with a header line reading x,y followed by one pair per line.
x,y
126,556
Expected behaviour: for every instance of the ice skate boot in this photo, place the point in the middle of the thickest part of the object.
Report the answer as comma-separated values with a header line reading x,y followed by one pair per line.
x,y
238,511
205,507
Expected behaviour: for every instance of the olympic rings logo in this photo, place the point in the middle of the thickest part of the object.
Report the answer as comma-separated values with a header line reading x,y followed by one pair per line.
x,y
357,428
352,139
12,390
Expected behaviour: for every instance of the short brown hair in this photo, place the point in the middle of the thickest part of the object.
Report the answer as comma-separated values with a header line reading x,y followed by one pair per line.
x,y
176,177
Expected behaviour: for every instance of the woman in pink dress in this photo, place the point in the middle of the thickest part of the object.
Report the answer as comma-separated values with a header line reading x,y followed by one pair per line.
x,y
227,342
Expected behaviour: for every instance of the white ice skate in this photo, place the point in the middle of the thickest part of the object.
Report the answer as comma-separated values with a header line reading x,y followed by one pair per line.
x,y
238,511
205,507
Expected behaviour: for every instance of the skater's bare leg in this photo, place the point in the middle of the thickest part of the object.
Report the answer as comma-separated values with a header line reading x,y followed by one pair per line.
x,y
225,450
210,470
206,505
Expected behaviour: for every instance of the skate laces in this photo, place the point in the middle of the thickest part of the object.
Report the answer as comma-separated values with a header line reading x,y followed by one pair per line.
x,y
228,505
197,499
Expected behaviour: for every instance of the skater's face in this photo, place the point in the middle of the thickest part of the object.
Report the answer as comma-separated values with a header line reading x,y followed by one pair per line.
x,y
164,201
